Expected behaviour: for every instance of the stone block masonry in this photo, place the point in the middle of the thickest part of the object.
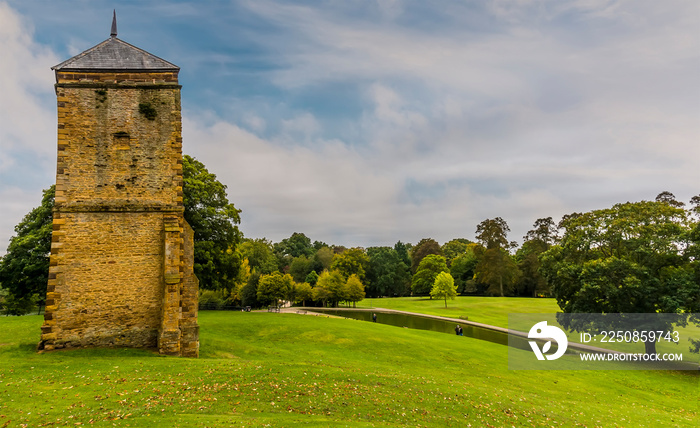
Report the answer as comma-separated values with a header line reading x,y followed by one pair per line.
x,y
121,267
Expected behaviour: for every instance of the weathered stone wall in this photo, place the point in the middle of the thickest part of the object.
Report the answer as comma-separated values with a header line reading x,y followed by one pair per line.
x,y
119,147
107,279
121,257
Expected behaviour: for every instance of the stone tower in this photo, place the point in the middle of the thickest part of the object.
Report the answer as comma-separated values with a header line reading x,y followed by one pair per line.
x,y
122,253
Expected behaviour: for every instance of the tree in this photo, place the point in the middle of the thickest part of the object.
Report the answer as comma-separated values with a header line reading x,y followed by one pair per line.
x,y
260,255
330,288
355,290
425,247
444,287
631,258
213,219
496,267
544,230
530,282
274,288
24,269
249,292
428,270
462,268
454,248
300,267
352,261
296,245
387,274
235,295
311,278
303,292
323,259
669,198
537,241
492,233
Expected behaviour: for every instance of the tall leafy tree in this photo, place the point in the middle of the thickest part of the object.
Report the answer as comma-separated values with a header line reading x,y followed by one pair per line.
x,y
387,273
296,245
24,269
463,267
428,270
538,240
444,287
544,230
303,293
425,247
311,278
323,259
352,261
274,288
631,258
354,289
300,268
403,251
454,248
669,198
330,288
493,233
260,255
497,270
213,219
496,266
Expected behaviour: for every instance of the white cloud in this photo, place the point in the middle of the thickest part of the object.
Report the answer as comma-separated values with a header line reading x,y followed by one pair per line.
x,y
27,121
519,109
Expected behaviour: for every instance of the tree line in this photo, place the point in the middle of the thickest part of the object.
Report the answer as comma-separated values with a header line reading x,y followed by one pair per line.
x,y
635,256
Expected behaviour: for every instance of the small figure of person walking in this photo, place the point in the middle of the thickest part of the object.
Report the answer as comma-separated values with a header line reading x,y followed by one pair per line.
x,y
458,330
374,317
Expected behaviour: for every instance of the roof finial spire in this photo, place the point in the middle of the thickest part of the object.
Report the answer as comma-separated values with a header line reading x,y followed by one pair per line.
x,y
114,24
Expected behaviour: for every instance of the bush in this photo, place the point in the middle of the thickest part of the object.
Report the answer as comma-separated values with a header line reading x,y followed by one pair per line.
x,y
211,299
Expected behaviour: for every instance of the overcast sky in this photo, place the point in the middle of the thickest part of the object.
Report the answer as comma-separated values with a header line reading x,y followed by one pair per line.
x,y
361,123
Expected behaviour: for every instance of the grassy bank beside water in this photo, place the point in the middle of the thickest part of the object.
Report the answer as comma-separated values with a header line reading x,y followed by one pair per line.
x,y
269,369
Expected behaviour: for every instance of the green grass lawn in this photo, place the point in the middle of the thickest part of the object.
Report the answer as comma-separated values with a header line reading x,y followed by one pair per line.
x,y
269,369
486,310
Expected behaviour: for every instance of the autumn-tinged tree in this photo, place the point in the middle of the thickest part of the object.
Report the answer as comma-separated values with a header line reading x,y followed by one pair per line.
x,y
333,285
261,257
444,287
354,289
351,262
303,292
274,288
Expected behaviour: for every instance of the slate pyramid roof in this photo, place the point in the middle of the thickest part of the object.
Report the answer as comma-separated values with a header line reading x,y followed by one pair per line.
x,y
115,55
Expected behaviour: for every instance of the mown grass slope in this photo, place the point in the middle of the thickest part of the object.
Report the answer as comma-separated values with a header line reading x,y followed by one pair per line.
x,y
259,369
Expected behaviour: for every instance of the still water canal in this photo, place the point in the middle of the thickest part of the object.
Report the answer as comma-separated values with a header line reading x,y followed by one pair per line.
x,y
426,323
